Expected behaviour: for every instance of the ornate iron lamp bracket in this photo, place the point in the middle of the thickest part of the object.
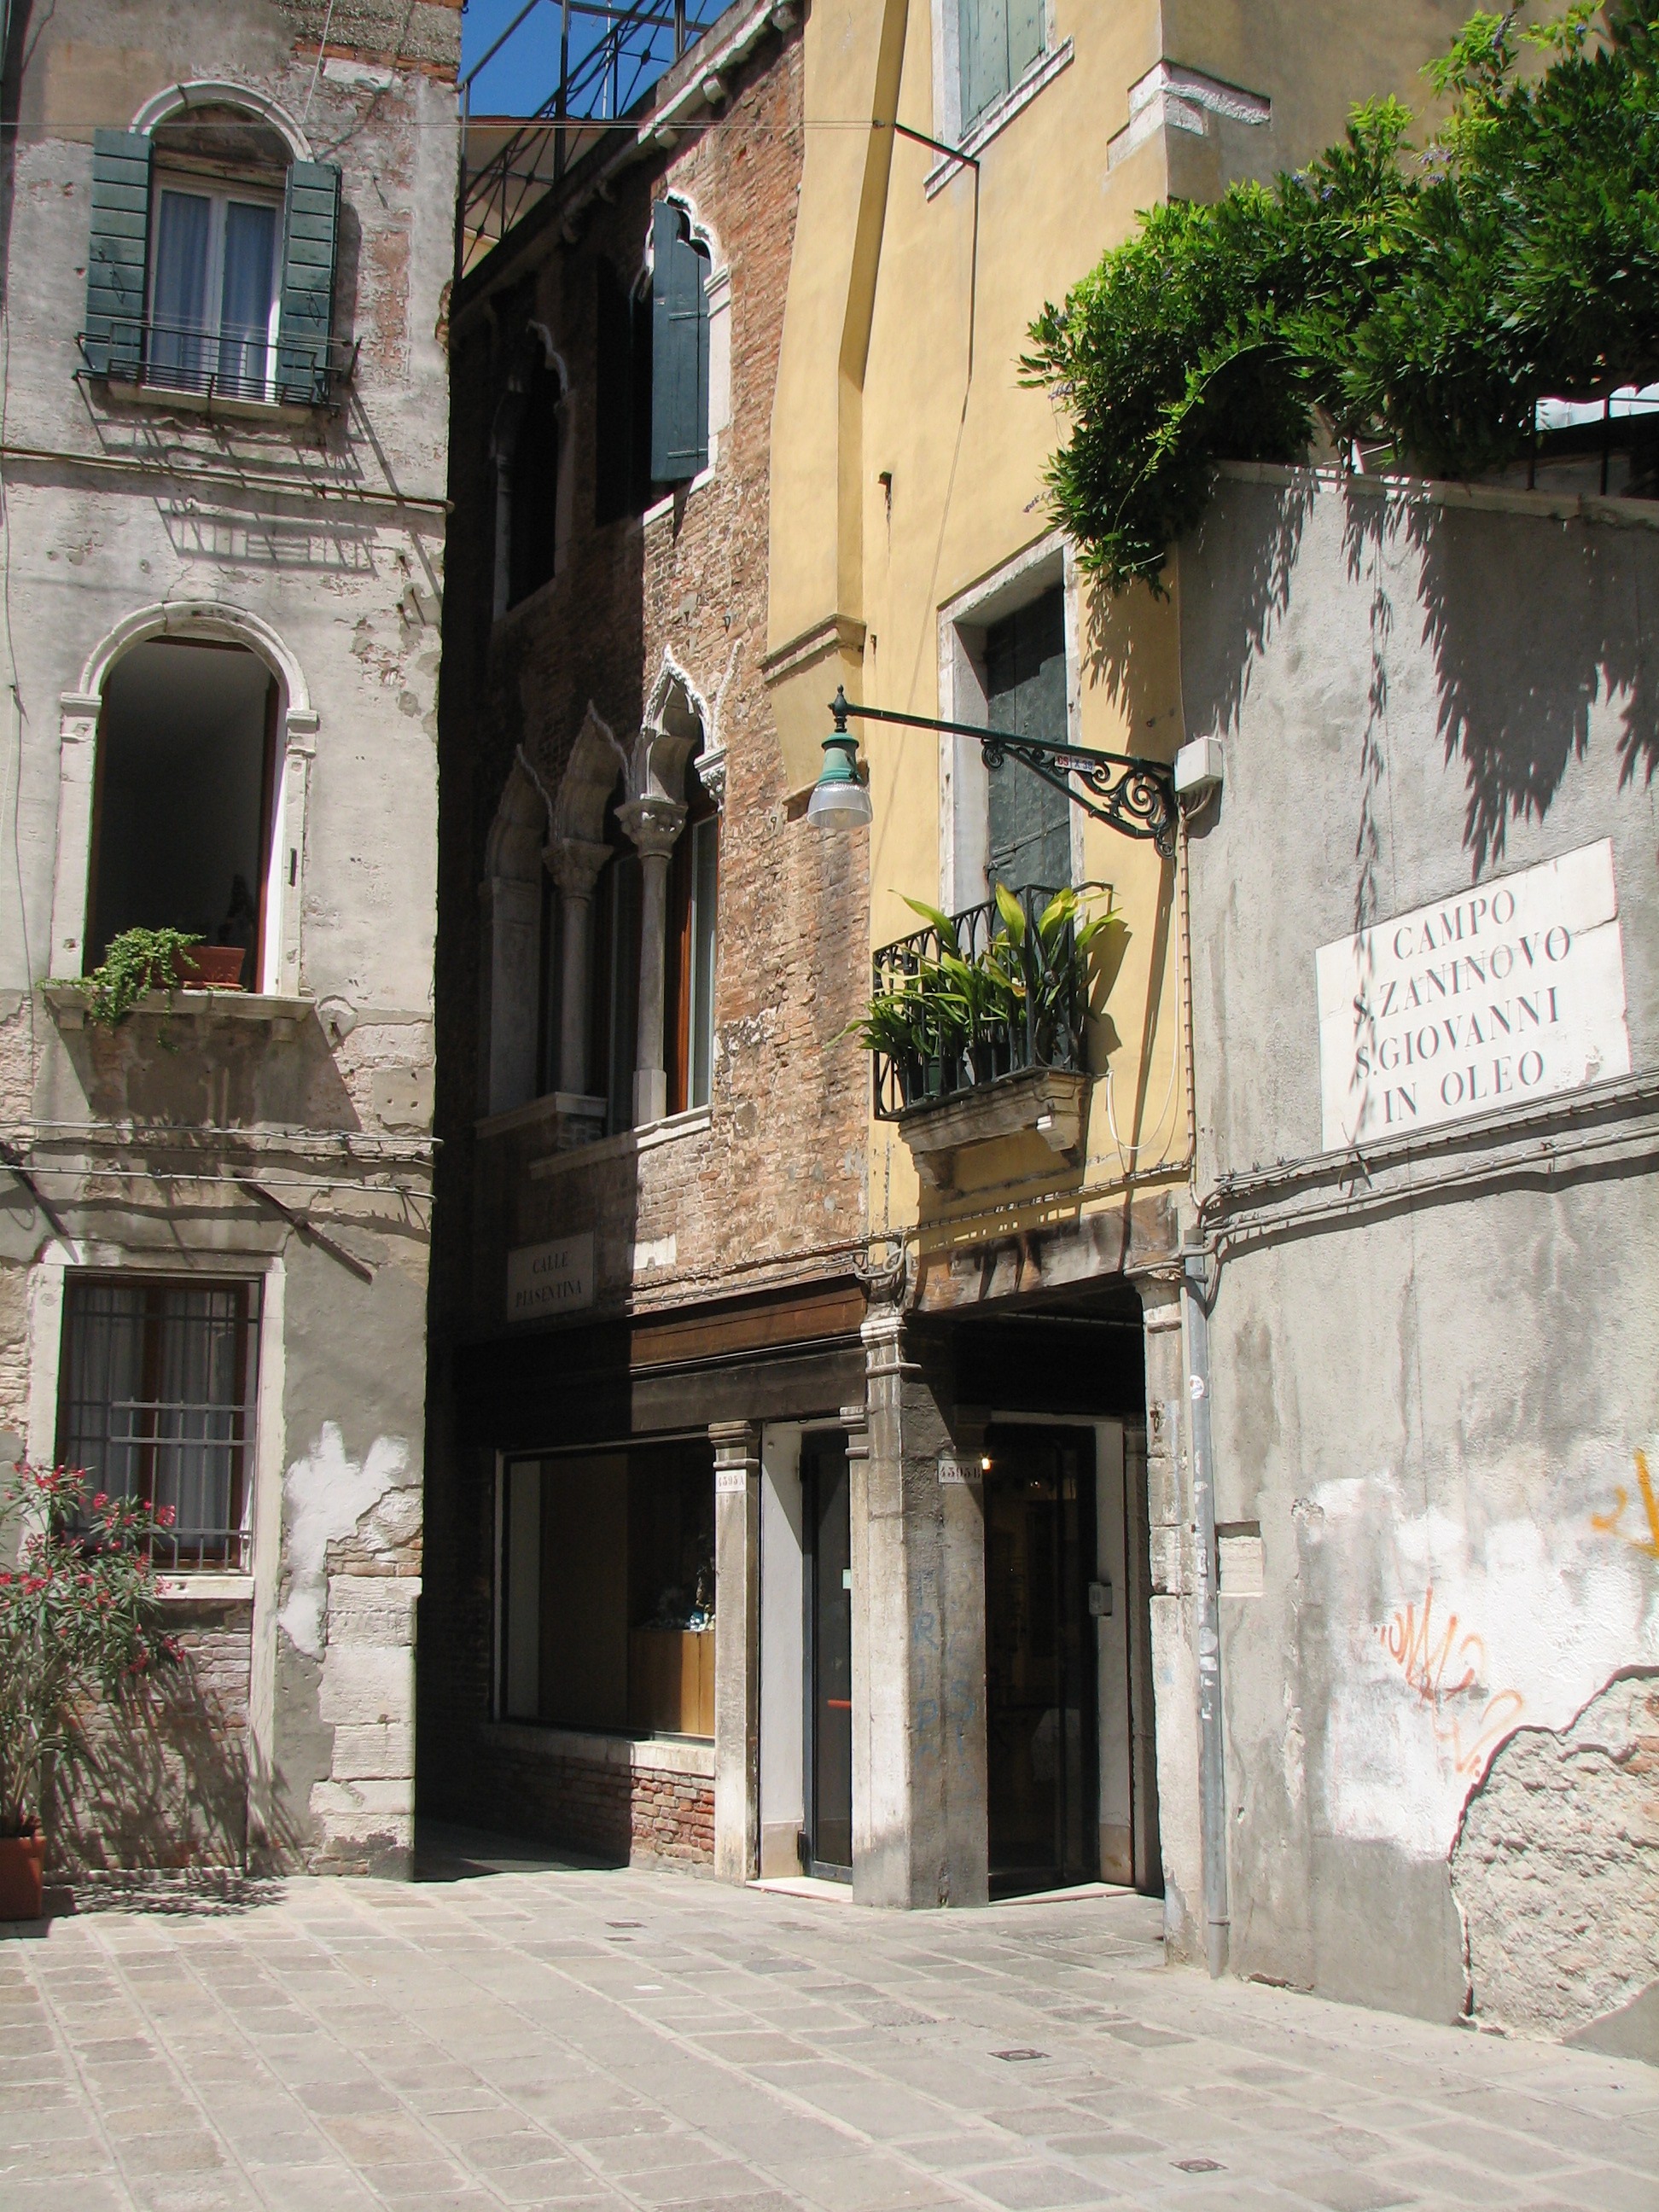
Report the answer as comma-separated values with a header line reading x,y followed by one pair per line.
x,y
1133,796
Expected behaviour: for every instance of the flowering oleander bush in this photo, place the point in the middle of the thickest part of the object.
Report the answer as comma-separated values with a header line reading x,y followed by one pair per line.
x,y
80,1616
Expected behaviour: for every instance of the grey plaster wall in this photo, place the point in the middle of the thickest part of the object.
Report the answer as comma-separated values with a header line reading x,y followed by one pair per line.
x,y
1436,1388
291,1144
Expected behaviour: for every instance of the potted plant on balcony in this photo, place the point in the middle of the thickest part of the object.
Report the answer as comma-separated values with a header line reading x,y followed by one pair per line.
x,y
140,960
1045,961
80,1618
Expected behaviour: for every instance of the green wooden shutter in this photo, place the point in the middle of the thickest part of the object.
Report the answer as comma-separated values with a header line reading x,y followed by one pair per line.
x,y
680,350
118,253
311,228
1029,824
983,47
1026,36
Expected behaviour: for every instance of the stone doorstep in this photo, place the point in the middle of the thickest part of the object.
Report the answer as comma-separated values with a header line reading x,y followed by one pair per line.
x,y
635,1755
1047,1100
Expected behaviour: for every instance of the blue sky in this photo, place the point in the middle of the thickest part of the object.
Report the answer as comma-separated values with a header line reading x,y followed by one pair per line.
x,y
525,72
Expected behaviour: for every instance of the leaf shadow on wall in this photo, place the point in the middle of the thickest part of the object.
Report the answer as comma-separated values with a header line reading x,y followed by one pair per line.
x,y
1133,646
162,1785
1530,627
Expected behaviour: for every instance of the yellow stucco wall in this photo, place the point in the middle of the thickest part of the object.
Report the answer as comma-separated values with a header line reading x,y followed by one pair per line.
x,y
908,459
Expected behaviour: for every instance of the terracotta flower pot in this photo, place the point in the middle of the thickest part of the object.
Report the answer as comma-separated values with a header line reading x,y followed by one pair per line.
x,y
21,1858
211,967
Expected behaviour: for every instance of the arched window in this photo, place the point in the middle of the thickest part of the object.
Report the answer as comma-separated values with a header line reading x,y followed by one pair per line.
x,y
693,881
652,416
186,778
210,263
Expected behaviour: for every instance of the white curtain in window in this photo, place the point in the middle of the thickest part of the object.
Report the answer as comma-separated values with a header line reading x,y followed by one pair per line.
x,y
180,308
244,306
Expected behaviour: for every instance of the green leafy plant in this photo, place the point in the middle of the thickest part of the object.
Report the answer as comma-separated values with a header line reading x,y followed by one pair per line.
x,y
1420,303
976,1015
79,1617
137,961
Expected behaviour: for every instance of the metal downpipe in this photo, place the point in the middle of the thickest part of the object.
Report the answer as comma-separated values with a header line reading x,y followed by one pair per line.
x,y
1212,1779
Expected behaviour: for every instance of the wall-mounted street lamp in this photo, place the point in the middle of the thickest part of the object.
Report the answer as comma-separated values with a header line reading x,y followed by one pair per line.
x,y
1140,797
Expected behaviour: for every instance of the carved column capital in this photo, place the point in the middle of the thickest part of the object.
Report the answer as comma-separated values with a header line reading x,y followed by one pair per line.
x,y
574,865
711,774
653,824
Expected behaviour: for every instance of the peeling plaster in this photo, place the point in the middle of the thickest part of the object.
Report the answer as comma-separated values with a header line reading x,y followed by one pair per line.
x,y
1459,1633
330,1496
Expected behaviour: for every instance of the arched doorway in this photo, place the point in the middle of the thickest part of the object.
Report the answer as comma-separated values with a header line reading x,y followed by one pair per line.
x,y
188,754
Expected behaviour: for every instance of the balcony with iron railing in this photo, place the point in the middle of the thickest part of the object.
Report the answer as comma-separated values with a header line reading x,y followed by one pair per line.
x,y
978,1002
183,362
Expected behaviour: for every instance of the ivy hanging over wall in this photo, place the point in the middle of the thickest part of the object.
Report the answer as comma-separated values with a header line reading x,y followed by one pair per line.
x,y
1421,302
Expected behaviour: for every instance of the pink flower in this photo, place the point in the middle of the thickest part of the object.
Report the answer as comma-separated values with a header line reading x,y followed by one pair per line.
x,y
166,1517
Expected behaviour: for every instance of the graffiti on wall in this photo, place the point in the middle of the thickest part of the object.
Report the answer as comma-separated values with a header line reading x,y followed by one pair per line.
x,y
1430,1656
1613,1524
1510,1602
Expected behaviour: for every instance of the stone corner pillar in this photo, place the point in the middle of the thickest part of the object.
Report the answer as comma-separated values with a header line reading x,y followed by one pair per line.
x,y
1171,1534
737,1649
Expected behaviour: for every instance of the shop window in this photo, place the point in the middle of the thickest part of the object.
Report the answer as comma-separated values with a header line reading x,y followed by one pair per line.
x,y
997,41
690,997
187,756
210,263
1028,837
605,1590
157,1393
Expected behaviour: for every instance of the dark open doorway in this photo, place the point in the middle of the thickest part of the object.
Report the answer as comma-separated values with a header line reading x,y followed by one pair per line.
x,y
827,1589
1040,1664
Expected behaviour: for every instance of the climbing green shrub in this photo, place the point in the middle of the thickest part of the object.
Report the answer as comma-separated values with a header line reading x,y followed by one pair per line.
x,y
1422,303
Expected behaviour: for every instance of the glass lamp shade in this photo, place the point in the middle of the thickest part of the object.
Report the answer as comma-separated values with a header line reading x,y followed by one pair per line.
x,y
839,799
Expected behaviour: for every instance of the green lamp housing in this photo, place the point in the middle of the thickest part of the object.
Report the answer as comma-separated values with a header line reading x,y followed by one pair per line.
x,y
839,799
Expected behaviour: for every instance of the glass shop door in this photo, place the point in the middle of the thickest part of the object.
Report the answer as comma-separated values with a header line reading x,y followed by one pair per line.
x,y
1041,1659
826,1502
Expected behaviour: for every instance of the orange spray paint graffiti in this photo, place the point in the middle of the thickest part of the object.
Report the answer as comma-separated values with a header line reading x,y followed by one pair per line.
x,y
1410,1643
1608,1522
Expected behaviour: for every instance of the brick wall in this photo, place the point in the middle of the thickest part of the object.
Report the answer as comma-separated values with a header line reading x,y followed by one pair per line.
x,y
612,1800
747,1205
169,1789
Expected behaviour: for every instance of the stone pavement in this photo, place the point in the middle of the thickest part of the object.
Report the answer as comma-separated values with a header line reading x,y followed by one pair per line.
x,y
583,2039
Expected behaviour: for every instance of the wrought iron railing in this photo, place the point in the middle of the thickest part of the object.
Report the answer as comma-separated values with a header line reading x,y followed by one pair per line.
x,y
1022,1003
161,356
597,84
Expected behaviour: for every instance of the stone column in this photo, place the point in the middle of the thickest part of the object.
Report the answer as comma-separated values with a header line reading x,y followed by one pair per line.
x,y
575,865
737,1649
653,824
1175,1655
919,1803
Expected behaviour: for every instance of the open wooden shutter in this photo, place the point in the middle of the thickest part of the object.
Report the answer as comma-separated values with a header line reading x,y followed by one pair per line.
x,y
680,350
311,230
1026,31
118,253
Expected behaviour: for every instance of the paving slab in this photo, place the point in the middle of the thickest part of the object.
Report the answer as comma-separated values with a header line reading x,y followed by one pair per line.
x,y
621,2041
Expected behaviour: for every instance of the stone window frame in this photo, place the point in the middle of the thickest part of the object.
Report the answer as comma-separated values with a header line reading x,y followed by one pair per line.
x,y
1056,56
221,622
964,800
719,289
562,832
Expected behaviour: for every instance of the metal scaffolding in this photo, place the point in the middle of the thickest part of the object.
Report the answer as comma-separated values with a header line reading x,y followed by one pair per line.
x,y
510,162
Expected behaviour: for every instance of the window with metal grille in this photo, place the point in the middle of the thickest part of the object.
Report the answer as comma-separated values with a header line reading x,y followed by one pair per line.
x,y
157,1396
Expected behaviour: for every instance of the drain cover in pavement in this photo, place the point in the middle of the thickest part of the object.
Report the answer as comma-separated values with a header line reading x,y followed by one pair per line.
x,y
1200,2166
1020,2054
